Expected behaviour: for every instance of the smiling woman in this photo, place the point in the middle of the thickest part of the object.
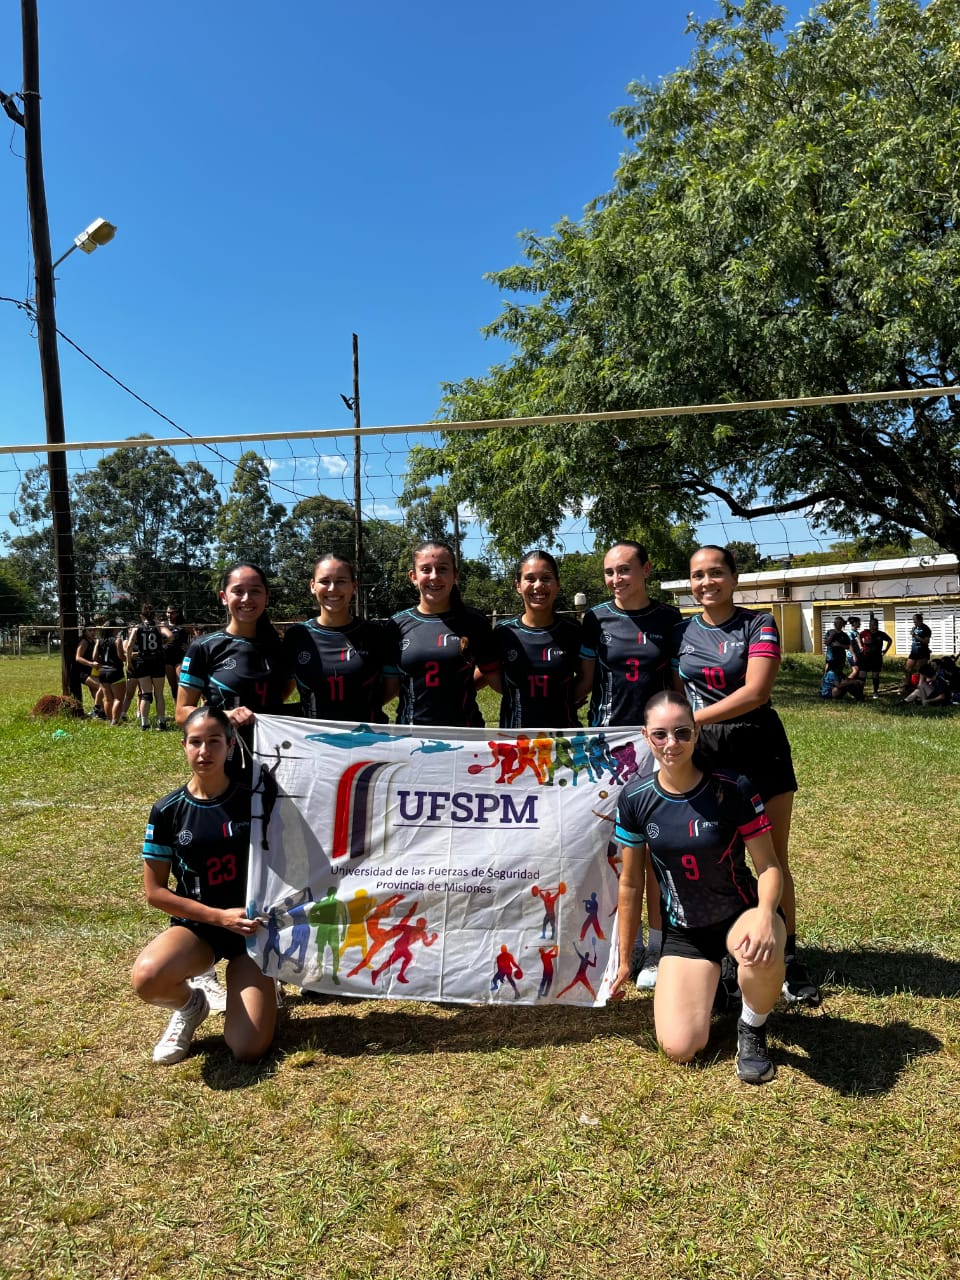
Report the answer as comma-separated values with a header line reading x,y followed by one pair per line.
x,y
337,659
442,651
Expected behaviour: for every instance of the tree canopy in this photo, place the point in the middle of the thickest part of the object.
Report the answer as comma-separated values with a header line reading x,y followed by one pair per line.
x,y
783,223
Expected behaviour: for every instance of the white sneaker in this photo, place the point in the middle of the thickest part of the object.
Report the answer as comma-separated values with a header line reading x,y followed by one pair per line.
x,y
209,984
647,977
174,1044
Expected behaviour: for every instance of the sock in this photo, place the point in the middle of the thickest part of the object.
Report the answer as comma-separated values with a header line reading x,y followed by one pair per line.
x,y
751,1017
654,941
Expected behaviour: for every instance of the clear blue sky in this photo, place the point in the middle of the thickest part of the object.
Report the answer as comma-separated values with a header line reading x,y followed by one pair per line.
x,y
283,177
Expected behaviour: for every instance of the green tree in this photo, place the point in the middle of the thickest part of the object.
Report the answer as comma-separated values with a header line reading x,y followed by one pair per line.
x,y
248,522
17,601
783,223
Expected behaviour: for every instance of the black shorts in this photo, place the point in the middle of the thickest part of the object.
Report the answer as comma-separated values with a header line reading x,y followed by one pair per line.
x,y
225,944
870,662
111,675
153,669
756,746
706,943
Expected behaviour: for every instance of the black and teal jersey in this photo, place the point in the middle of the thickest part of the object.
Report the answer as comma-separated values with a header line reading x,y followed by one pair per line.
x,y
538,667
338,670
633,650
697,844
232,671
206,843
712,660
434,656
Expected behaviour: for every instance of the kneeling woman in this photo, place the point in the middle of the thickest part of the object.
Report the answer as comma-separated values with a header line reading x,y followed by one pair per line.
x,y
696,827
201,833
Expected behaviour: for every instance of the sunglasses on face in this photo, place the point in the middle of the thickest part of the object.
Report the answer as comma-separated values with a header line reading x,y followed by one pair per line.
x,y
683,734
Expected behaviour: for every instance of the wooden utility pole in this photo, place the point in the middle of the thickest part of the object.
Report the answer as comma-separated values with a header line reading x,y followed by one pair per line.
x,y
47,339
358,532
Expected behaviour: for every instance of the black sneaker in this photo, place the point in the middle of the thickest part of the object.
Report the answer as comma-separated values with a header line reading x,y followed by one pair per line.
x,y
799,988
753,1060
638,958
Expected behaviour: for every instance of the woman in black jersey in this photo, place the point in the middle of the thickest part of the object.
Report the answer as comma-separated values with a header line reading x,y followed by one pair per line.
x,y
337,659
728,659
441,651
84,665
109,656
200,833
696,827
241,668
175,641
538,652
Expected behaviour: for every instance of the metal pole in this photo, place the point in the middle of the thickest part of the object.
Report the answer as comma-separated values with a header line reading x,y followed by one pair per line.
x,y
358,532
47,340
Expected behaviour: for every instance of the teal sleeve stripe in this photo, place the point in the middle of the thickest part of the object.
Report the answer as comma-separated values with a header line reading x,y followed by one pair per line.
x,y
161,852
628,837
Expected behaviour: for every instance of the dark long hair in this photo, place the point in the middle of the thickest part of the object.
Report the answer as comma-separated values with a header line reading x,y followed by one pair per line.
x,y
267,636
456,599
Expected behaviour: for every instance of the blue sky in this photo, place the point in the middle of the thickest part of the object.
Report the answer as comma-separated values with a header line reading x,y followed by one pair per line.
x,y
284,177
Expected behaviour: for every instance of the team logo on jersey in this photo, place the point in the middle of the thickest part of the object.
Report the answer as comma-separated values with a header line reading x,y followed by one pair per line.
x,y
448,636
757,804
228,664
303,657
513,655
641,638
652,830
548,655
701,824
729,646
404,644
184,837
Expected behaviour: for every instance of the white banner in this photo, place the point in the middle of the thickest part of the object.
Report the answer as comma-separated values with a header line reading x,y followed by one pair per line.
x,y
438,864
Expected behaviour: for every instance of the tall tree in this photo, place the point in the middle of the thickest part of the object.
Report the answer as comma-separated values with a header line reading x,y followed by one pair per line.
x,y
783,223
249,519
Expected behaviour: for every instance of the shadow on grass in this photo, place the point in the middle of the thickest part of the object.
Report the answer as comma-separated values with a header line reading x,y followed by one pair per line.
x,y
852,1058
417,1029
886,972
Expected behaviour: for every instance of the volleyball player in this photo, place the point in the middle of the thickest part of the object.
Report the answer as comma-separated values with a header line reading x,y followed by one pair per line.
x,y
109,656
200,834
538,652
441,650
625,658
695,827
728,659
240,668
337,659
144,652
175,642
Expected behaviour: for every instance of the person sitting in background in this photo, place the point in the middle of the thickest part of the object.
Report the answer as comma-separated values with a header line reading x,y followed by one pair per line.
x,y
836,685
923,689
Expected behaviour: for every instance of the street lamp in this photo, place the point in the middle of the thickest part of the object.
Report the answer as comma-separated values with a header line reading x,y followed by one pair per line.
x,y
90,238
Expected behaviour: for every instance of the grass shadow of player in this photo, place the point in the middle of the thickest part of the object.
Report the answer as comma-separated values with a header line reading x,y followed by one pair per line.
x,y
851,1058
354,1028
886,972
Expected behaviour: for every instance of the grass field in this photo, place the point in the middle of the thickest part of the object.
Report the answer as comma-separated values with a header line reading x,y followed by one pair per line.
x,y
389,1140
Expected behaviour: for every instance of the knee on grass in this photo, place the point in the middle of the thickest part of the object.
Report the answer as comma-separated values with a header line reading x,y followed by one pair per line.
x,y
682,1048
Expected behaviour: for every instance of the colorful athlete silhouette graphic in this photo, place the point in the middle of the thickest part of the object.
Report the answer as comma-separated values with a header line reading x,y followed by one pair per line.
x,y
504,754
598,751
591,907
563,756
378,935
358,908
543,750
404,936
626,758
299,935
581,758
549,899
273,940
547,957
587,961
526,760
505,970
330,917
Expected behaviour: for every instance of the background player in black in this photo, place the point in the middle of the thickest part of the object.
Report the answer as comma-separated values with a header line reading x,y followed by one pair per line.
x,y
144,651
538,652
336,659
625,658
109,655
740,730
442,651
200,833
175,642
698,827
